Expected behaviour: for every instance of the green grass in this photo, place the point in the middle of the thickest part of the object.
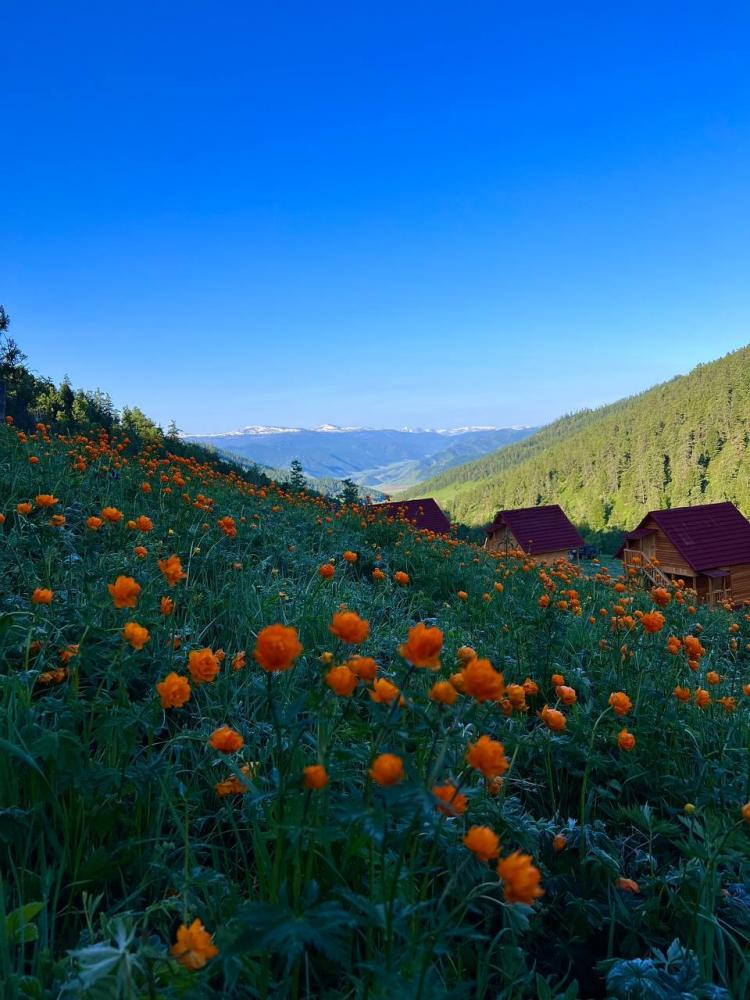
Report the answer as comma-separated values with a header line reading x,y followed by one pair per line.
x,y
112,834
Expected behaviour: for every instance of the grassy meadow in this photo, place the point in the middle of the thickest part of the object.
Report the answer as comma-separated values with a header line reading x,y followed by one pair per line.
x,y
254,746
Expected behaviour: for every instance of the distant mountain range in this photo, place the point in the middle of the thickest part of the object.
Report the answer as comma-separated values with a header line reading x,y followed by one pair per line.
x,y
386,460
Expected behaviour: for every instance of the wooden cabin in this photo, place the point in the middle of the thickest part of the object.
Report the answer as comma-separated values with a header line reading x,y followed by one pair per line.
x,y
707,546
544,534
424,514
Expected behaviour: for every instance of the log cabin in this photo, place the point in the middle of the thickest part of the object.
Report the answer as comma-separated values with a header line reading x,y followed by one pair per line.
x,y
707,546
543,534
424,514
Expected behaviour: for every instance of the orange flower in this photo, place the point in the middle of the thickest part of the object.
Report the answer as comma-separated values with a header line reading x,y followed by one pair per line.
x,y
383,691
625,740
239,660
628,885
42,595
111,514
124,592
277,647
24,508
314,777
203,665
327,571
620,703
451,802
464,654
693,647
653,621
567,695
681,693
674,645
520,878
228,526
46,500
166,606
350,557
544,601
349,627
364,667
443,692
69,653
401,578
712,677
94,523
745,812
727,703
194,946
342,680
557,679
499,588
233,785
387,769
378,575
559,843
483,842
423,645
135,634
488,757
516,695
553,719
702,698
660,596
140,551
172,570
144,523
462,595
530,687
173,691
482,681
226,740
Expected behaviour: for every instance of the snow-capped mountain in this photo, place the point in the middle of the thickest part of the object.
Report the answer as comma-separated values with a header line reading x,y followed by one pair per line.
x,y
385,459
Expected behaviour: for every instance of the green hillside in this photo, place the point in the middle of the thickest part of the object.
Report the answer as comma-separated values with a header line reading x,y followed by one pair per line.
x,y
685,441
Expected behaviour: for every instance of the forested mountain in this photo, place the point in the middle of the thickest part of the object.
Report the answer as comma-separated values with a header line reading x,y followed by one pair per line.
x,y
685,441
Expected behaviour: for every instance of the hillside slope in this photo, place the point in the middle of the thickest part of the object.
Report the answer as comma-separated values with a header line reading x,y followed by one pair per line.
x,y
685,441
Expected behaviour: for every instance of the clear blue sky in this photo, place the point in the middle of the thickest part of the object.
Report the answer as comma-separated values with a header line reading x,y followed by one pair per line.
x,y
432,214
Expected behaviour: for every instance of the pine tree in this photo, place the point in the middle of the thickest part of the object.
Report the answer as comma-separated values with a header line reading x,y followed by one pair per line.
x,y
350,492
297,480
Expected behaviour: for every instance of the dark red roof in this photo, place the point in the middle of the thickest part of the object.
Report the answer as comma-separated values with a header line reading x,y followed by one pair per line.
x,y
423,514
538,529
708,536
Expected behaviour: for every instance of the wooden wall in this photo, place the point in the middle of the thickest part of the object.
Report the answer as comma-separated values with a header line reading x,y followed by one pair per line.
x,y
740,582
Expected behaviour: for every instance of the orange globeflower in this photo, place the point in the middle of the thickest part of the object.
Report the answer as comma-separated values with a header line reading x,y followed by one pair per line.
x,y
364,667
277,647
660,596
194,946
144,523
544,601
451,802
443,692
557,680
681,693
702,698
228,526
422,647
559,843
342,680
327,571
462,595
57,520
521,879
674,645
712,677
239,660
553,719
349,627
745,812
314,777
24,508
625,740
383,691
516,696
203,665
46,500
653,621
488,757
387,769
483,842
172,571
530,687
378,575
226,740
166,606
94,523
124,592
482,681
234,785
350,557
42,595
140,551
693,647
135,634
464,654
567,695
628,885
620,703
173,691
401,578
111,514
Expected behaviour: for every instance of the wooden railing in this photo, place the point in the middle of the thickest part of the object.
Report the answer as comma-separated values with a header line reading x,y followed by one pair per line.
x,y
719,596
637,559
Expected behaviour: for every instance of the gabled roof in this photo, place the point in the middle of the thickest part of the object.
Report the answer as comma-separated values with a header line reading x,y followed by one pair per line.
x,y
707,536
538,529
423,514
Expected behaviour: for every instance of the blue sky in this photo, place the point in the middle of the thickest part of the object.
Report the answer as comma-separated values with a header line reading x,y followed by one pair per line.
x,y
431,214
